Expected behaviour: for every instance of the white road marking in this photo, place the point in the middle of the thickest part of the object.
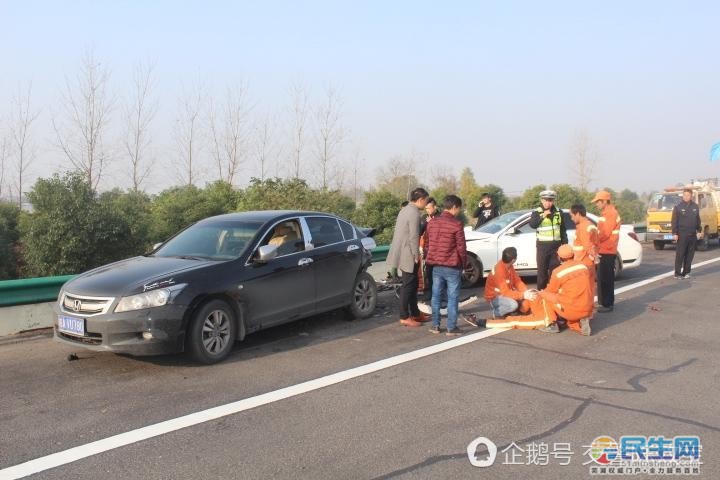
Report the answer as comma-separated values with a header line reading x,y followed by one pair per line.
x,y
123,439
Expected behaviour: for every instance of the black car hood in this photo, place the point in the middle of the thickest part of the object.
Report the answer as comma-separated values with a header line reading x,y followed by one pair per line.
x,y
132,275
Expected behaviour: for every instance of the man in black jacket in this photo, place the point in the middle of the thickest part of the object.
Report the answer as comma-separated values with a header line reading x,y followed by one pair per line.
x,y
550,233
485,210
686,229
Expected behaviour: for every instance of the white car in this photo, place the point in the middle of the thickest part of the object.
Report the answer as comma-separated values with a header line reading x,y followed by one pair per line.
x,y
486,243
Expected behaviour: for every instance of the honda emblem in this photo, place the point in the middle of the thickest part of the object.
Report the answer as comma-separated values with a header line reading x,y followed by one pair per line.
x,y
77,305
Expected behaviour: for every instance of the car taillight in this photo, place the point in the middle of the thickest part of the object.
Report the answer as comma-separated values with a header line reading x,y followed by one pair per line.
x,y
634,236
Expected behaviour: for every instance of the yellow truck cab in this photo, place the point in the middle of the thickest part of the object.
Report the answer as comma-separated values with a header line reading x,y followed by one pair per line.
x,y
706,194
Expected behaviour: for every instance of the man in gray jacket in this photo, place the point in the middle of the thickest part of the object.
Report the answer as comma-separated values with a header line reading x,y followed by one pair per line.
x,y
404,255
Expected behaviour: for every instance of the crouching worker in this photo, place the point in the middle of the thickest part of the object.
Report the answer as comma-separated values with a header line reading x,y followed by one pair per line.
x,y
568,296
504,290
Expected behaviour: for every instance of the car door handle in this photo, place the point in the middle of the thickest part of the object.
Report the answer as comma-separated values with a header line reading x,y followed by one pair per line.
x,y
304,261
352,248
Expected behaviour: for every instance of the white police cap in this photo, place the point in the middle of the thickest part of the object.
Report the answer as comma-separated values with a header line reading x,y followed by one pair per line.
x,y
549,194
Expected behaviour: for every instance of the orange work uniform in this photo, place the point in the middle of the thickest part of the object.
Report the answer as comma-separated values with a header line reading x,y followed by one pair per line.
x,y
568,295
585,246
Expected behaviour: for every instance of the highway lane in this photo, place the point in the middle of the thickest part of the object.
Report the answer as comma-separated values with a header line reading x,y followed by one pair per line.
x,y
648,368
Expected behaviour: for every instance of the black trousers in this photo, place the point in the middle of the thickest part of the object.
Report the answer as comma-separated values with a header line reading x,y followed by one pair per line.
x,y
547,260
684,253
427,281
606,280
408,294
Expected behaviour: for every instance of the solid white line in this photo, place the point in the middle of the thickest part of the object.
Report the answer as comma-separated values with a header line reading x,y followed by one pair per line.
x,y
123,439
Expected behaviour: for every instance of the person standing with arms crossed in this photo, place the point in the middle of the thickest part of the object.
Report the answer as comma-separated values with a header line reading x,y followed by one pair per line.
x,y
550,233
686,229
608,237
404,254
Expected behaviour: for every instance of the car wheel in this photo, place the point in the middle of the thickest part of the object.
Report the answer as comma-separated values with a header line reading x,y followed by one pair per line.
x,y
363,297
658,244
472,273
703,243
212,332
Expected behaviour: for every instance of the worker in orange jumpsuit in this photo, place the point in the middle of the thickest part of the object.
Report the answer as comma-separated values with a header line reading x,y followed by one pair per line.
x,y
504,290
585,243
608,238
567,296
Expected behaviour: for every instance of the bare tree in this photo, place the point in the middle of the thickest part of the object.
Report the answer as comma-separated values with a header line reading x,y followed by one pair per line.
x,y
228,132
187,132
4,154
266,150
330,132
86,109
22,118
398,176
443,180
583,160
299,114
140,109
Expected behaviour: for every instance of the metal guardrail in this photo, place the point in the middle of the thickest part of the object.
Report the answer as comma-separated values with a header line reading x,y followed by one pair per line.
x,y
31,290
46,289
379,253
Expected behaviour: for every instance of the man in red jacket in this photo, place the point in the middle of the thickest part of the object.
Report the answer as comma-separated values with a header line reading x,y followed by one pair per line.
x,y
446,253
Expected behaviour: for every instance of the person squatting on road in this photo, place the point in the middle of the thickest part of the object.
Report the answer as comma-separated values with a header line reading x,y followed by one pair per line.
x,y
686,229
608,237
550,233
404,254
504,290
568,296
585,243
447,255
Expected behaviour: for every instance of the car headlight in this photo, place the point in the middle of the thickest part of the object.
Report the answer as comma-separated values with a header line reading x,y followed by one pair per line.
x,y
153,298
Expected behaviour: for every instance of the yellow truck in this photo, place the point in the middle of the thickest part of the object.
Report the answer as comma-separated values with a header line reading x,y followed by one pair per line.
x,y
706,193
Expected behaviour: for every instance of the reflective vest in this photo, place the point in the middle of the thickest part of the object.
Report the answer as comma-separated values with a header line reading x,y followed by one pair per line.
x,y
608,231
549,228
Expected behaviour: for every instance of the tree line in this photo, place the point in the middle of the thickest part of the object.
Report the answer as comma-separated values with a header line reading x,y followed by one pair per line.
x,y
72,227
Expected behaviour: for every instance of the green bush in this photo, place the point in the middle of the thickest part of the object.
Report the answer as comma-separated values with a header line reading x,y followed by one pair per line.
x,y
379,211
9,236
70,230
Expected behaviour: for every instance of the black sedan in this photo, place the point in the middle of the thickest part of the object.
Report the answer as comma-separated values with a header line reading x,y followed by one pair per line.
x,y
217,281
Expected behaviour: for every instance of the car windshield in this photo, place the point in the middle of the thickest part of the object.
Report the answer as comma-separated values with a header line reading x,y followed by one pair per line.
x,y
498,223
664,201
211,241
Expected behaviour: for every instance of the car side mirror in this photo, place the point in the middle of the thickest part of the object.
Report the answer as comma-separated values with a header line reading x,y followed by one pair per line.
x,y
515,231
266,253
156,246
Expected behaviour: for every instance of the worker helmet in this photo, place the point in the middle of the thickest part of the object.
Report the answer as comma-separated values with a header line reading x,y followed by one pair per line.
x,y
565,251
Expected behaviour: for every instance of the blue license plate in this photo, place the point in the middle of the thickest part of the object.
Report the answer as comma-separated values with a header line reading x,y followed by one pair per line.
x,y
71,325
668,236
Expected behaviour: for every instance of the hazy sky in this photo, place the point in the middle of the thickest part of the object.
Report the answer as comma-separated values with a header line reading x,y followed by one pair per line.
x,y
502,87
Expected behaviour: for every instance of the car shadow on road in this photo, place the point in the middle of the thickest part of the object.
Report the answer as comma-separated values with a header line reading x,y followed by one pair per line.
x,y
298,334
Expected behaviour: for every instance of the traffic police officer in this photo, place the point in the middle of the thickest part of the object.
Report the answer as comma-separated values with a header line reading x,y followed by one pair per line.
x,y
547,220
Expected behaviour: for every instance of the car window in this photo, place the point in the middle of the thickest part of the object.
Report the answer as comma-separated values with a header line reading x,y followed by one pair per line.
x,y
347,230
498,223
324,231
212,240
701,201
286,236
525,228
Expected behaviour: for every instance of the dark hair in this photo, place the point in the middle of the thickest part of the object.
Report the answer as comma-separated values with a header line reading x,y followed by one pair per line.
x,y
404,203
451,201
418,193
689,190
509,254
432,200
485,194
579,208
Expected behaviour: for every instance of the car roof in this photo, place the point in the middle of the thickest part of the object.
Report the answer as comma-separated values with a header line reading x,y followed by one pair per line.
x,y
263,215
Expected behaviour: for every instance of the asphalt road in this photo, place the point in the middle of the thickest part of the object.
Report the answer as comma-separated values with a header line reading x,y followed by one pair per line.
x,y
649,369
